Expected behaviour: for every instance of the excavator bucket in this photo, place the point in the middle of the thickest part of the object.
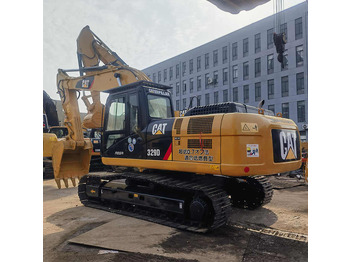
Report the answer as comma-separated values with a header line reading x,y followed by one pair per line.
x,y
70,161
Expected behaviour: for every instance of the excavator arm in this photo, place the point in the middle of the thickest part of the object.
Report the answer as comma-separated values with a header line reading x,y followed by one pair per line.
x,y
71,155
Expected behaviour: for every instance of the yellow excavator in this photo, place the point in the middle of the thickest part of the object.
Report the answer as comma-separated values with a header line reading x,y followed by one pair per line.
x,y
183,172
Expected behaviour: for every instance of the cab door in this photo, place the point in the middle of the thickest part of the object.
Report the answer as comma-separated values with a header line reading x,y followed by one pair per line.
x,y
114,134
122,135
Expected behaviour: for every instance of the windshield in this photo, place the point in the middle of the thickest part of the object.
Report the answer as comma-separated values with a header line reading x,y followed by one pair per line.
x,y
59,132
159,106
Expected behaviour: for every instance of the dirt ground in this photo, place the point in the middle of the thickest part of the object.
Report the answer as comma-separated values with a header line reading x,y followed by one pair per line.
x,y
275,232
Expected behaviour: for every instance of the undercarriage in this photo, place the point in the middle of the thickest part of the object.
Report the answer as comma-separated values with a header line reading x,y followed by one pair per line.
x,y
185,201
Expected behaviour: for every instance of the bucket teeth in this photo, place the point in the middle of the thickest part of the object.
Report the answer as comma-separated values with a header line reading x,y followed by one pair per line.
x,y
73,181
65,180
58,182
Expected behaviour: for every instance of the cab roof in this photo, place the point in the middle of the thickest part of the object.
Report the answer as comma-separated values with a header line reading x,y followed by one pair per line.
x,y
134,85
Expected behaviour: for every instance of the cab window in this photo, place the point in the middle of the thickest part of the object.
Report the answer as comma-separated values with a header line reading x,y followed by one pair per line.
x,y
116,116
159,106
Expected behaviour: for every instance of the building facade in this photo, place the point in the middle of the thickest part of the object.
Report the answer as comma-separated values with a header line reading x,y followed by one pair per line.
x,y
242,67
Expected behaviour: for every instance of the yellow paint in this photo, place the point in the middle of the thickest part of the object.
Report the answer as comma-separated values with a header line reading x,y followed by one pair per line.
x,y
290,155
215,167
159,133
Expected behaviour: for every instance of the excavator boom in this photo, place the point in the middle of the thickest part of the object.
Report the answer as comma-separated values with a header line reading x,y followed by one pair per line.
x,y
90,51
71,155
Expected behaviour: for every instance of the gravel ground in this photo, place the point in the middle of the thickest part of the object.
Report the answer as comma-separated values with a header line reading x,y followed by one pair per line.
x,y
275,232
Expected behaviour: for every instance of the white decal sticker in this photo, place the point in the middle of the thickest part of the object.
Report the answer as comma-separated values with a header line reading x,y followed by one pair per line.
x,y
249,127
131,147
288,142
119,153
159,129
153,152
85,83
252,150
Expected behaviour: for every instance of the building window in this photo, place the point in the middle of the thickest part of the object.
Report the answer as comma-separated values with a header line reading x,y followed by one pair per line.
x,y
225,76
257,91
190,105
177,71
257,67
154,77
301,111
300,83
272,108
171,73
270,38
225,95
235,73
284,86
234,51
270,64
257,42
216,97
183,68
245,47
283,29
199,83
216,78
235,94
245,70
298,28
285,110
224,54
206,84
159,76
198,63
177,105
270,89
206,61
191,85
177,89
184,87
215,57
199,97
285,61
165,74
246,94
207,99
191,66
299,51
184,103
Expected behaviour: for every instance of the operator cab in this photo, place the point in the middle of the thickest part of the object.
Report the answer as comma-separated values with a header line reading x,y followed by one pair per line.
x,y
138,121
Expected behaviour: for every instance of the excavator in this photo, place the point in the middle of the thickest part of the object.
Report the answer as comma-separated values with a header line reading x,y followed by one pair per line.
x,y
185,172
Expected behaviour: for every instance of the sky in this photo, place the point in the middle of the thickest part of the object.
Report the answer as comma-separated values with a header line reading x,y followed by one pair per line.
x,y
141,32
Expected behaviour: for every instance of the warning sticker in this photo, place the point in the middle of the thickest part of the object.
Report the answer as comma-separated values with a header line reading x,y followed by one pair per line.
x,y
252,150
249,127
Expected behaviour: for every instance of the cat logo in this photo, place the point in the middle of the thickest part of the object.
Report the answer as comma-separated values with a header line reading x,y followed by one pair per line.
x,y
85,83
288,142
159,129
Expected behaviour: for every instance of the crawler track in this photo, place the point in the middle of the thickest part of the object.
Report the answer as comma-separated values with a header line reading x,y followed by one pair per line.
x,y
217,197
250,192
